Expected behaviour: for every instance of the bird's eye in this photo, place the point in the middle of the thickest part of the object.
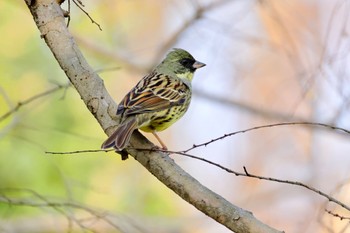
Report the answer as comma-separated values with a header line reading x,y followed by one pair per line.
x,y
186,62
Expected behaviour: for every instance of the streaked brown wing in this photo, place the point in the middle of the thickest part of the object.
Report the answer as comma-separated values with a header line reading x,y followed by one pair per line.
x,y
153,93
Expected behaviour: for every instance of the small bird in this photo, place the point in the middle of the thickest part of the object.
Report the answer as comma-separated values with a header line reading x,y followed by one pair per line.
x,y
157,101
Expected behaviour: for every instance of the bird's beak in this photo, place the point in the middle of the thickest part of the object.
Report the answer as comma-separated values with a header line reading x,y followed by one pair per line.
x,y
198,65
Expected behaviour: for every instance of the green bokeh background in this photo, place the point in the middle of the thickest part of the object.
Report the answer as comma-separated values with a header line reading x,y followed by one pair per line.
x,y
60,122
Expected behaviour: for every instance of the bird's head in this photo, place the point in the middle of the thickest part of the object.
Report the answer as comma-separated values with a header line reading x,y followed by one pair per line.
x,y
180,62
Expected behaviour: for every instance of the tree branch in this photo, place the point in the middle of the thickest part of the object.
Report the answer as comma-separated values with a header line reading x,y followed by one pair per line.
x,y
49,19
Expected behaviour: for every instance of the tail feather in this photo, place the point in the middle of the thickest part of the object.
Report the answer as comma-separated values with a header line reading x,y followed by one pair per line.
x,y
120,138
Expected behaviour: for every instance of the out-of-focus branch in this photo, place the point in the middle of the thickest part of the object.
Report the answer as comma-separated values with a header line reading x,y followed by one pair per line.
x,y
87,216
199,11
245,107
269,114
49,19
100,49
31,99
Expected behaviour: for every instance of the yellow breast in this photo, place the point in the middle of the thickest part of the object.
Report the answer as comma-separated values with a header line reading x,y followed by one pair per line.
x,y
163,119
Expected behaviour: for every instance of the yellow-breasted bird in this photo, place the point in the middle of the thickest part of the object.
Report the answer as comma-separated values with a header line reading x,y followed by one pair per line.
x,y
158,100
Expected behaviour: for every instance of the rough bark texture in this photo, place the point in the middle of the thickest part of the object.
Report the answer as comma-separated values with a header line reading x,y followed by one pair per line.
x,y
49,19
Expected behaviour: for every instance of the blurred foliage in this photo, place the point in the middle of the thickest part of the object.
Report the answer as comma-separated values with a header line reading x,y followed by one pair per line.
x,y
60,122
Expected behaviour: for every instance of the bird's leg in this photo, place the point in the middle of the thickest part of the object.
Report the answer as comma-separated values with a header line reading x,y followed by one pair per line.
x,y
160,141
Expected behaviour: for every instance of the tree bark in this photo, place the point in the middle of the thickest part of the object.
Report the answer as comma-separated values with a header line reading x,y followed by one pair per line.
x,y
50,21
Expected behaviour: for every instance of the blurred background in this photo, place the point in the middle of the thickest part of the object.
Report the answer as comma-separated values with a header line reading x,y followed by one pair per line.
x,y
268,61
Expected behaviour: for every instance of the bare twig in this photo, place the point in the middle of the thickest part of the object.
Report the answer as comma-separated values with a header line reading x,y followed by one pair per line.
x,y
245,173
337,215
76,152
204,144
80,5
314,124
69,17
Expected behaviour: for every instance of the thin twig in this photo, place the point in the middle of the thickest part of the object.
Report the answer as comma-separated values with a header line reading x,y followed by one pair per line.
x,y
76,152
247,174
337,215
69,17
267,126
80,5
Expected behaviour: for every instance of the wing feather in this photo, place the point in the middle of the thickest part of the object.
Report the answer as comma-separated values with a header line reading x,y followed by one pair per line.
x,y
153,93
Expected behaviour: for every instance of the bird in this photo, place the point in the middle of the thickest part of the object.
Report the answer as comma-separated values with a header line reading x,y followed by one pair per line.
x,y
157,101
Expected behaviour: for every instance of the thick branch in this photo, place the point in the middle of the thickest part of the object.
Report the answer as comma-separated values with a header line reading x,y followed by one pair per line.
x,y
50,21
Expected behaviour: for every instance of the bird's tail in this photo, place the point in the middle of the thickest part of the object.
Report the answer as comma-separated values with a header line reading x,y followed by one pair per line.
x,y
120,138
